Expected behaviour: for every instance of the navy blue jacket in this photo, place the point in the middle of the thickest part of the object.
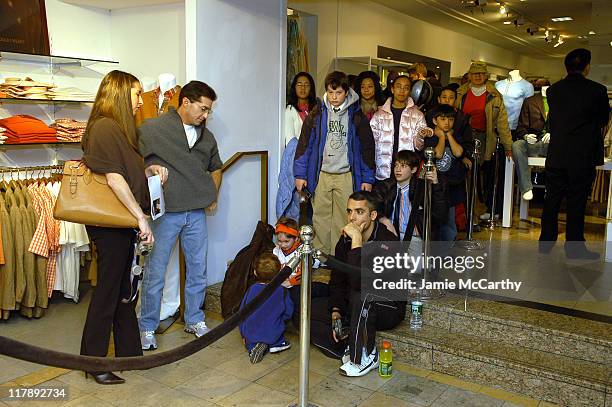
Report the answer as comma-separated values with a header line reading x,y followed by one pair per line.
x,y
309,152
267,323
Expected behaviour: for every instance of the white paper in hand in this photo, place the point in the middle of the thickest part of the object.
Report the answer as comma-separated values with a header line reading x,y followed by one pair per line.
x,y
158,206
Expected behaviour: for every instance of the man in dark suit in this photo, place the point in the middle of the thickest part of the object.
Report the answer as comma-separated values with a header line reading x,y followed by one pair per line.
x,y
579,109
532,135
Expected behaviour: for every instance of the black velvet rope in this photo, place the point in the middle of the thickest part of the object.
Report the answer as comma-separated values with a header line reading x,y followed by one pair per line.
x,y
36,354
336,264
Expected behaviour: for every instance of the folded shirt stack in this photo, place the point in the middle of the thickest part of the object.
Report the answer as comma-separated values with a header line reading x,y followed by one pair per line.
x,y
24,89
23,129
2,136
69,129
70,94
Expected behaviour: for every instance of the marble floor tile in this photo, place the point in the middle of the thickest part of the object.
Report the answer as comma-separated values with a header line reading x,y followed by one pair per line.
x,y
213,386
334,393
380,399
413,389
371,381
10,369
134,388
88,401
167,397
257,395
287,380
241,367
454,397
319,363
213,357
176,373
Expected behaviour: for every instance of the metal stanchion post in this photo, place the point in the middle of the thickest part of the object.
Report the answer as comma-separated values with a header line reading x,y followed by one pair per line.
x,y
306,235
469,244
492,222
428,167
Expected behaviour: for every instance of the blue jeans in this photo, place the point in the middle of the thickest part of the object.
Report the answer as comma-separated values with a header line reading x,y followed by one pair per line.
x,y
448,230
190,227
521,151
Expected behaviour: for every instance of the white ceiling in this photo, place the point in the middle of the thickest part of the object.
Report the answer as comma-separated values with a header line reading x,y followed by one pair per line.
x,y
118,4
486,22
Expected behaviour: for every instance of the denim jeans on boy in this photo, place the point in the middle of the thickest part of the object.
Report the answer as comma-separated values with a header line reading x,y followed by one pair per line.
x,y
521,151
190,228
448,229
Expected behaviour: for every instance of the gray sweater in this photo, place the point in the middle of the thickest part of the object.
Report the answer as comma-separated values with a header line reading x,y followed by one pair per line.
x,y
190,185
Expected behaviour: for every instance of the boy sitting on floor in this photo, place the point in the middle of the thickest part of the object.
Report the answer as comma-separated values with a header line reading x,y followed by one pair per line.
x,y
264,329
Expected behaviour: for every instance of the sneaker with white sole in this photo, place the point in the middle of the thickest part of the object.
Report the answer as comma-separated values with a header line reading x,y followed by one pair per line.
x,y
198,329
283,346
147,340
351,369
346,356
258,352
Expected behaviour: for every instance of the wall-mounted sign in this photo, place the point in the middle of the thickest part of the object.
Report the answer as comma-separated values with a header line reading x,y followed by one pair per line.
x,y
23,26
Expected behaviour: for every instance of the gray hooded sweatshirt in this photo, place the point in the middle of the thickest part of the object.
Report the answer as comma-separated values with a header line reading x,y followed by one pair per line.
x,y
335,154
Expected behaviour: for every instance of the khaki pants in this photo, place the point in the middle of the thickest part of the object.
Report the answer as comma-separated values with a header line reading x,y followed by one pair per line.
x,y
329,209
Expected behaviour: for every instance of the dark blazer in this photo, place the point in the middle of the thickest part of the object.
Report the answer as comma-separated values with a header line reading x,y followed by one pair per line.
x,y
578,110
532,119
387,191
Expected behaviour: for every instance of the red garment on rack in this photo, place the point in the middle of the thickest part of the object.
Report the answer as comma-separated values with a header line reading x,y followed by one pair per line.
x,y
27,129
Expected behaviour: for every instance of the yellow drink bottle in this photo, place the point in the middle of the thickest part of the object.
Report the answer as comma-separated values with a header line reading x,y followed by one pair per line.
x,y
385,368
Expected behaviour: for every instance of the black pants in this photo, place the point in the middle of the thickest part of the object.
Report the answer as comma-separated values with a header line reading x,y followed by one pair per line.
x,y
106,311
575,184
488,168
366,317
317,290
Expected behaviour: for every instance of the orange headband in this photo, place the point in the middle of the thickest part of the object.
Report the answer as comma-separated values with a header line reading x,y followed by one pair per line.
x,y
280,228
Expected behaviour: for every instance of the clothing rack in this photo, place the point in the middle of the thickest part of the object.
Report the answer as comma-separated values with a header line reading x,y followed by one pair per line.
x,y
40,169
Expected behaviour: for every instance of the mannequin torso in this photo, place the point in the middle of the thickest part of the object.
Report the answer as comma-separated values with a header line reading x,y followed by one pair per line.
x,y
514,90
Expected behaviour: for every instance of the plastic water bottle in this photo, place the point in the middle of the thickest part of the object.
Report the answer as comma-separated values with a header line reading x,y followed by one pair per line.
x,y
416,315
385,368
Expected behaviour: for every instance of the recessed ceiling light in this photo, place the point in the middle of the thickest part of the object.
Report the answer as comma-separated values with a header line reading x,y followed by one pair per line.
x,y
437,67
503,9
592,32
558,19
507,22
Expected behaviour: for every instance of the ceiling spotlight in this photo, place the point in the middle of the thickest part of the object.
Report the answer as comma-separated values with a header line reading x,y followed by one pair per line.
x,y
507,22
503,9
592,32
559,41
559,19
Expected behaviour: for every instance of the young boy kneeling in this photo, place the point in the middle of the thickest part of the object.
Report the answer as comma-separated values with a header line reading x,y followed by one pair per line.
x,y
264,329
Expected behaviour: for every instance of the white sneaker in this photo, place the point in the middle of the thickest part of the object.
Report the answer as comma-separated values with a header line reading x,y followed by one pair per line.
x,y
346,357
528,196
351,369
198,329
487,216
147,340
283,346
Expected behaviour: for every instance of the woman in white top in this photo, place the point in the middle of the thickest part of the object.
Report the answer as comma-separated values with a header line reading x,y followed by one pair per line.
x,y
302,98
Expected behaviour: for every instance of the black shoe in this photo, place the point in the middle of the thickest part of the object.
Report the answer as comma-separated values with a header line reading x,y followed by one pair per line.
x,y
580,253
105,377
545,246
257,353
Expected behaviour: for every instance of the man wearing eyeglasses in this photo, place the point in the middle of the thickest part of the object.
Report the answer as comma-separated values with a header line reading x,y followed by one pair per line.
x,y
184,153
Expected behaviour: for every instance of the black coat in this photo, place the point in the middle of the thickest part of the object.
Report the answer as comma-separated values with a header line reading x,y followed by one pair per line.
x,y
578,110
387,190
340,283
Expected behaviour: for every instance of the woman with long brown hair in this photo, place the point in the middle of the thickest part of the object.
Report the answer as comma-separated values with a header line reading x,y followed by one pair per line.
x,y
110,147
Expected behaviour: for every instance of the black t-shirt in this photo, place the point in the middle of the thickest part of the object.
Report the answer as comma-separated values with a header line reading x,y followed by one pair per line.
x,y
397,117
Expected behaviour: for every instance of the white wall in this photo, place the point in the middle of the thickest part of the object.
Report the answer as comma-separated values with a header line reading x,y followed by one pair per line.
x,y
239,49
358,27
150,40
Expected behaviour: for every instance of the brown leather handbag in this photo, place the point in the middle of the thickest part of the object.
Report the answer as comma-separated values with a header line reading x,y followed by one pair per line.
x,y
86,198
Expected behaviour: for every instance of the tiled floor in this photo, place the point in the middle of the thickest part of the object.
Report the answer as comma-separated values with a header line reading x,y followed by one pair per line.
x,y
221,375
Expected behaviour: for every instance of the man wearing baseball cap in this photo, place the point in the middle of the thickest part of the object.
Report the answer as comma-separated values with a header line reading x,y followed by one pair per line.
x,y
488,119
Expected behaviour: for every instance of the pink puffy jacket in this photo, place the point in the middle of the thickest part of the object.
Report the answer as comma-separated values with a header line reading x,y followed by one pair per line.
x,y
411,122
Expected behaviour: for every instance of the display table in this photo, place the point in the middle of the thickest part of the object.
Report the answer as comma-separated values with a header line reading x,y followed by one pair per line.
x,y
524,206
